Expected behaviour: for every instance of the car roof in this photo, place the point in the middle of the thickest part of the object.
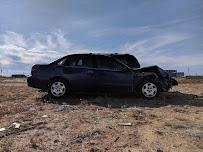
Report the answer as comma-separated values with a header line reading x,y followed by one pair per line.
x,y
119,56
102,54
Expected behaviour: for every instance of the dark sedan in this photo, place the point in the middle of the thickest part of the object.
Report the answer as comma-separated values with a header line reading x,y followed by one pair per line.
x,y
99,73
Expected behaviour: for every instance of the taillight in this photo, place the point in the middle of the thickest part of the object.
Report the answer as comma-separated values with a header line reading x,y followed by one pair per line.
x,y
34,68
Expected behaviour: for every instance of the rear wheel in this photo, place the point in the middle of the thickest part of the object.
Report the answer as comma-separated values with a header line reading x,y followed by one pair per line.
x,y
58,88
149,89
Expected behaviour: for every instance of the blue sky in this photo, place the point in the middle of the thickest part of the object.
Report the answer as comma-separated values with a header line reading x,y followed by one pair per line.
x,y
168,33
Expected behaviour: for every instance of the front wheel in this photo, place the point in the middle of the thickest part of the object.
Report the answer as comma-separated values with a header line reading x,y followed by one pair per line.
x,y
58,89
149,89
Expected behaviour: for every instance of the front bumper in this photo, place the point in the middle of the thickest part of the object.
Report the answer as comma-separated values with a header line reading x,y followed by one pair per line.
x,y
37,83
173,82
165,85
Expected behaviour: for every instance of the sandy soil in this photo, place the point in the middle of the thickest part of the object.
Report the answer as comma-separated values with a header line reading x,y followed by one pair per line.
x,y
171,123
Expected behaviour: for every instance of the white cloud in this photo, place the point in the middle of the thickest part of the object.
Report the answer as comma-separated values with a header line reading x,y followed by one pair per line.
x,y
152,51
37,48
62,41
135,30
154,43
182,60
5,61
13,38
43,48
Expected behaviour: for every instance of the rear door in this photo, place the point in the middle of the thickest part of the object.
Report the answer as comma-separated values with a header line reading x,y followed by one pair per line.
x,y
112,76
80,72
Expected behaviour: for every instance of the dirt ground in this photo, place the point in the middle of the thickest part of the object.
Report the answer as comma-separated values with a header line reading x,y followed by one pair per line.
x,y
171,123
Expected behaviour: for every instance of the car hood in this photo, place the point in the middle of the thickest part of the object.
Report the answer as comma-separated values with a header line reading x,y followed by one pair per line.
x,y
155,69
158,71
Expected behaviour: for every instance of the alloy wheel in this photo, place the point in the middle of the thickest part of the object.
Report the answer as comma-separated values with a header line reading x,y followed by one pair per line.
x,y
58,89
149,90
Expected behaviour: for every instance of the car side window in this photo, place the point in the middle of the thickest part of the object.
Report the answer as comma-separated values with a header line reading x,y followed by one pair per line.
x,y
105,62
85,62
61,62
70,61
80,62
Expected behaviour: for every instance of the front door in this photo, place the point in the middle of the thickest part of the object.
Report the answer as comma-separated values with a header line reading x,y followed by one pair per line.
x,y
112,76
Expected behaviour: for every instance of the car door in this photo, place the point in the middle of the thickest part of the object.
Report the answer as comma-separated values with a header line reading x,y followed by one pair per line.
x,y
112,76
81,73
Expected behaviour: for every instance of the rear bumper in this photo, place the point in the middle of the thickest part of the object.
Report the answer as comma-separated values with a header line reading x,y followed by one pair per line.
x,y
37,83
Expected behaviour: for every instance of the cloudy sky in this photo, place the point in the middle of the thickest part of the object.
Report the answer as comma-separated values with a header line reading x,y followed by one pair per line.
x,y
168,33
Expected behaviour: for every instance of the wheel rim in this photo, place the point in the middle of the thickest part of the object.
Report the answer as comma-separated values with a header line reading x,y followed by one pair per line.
x,y
149,90
58,89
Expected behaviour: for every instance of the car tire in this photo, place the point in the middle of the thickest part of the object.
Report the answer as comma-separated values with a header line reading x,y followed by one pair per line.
x,y
58,88
149,89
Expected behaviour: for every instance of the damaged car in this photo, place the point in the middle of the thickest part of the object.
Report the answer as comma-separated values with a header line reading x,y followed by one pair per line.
x,y
100,73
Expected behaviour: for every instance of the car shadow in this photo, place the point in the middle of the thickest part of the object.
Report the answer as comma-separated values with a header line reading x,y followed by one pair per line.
x,y
124,101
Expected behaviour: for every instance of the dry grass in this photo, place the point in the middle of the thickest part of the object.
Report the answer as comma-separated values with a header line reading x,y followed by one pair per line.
x,y
173,122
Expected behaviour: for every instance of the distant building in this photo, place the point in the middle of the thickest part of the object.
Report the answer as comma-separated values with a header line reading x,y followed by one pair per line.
x,y
180,74
18,76
174,73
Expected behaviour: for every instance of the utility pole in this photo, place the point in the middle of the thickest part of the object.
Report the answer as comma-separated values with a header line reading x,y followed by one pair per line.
x,y
1,69
188,70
